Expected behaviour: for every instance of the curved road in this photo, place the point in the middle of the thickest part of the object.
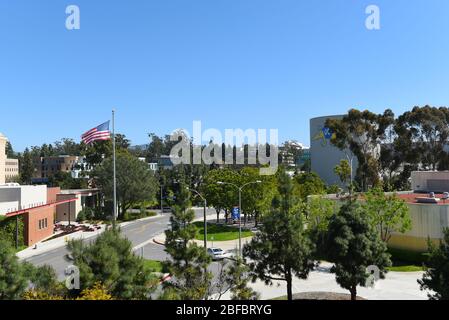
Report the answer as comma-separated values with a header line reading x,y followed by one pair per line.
x,y
139,233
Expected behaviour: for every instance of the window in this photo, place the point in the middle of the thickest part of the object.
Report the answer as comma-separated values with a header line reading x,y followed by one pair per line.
x,y
43,223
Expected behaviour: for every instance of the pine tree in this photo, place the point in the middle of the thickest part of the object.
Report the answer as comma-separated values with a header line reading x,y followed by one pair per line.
x,y
110,260
238,279
13,279
282,250
189,262
436,277
354,245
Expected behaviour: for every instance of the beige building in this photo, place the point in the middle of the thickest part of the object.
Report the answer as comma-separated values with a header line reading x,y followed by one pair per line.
x,y
11,169
3,141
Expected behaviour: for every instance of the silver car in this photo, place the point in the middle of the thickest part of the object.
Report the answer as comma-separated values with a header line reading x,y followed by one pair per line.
x,y
217,254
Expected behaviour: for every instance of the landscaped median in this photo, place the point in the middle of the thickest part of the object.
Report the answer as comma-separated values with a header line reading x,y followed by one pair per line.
x,y
218,236
220,232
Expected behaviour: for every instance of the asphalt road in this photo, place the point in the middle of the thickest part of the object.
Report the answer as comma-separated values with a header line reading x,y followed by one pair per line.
x,y
138,232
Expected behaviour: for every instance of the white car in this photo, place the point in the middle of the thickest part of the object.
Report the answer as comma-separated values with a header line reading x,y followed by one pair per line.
x,y
217,254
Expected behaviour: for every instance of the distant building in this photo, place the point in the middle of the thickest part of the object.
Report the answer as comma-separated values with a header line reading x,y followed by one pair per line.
x,y
11,169
325,156
46,167
81,166
290,153
3,141
166,162
305,157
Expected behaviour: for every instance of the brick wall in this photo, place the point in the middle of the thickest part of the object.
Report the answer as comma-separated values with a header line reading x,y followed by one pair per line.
x,y
52,194
38,224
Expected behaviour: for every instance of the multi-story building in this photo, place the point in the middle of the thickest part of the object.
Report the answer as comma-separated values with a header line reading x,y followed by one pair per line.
x,y
325,156
46,167
11,169
3,141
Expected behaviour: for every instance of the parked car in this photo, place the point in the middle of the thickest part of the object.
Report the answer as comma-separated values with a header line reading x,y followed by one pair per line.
x,y
217,254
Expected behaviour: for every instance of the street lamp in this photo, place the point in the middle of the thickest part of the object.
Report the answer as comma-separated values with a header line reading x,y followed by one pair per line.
x,y
205,217
240,189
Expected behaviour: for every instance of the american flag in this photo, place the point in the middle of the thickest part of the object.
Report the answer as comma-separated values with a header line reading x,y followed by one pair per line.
x,y
96,134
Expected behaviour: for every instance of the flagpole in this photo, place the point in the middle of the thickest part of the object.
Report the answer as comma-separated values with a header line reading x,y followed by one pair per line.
x,y
114,220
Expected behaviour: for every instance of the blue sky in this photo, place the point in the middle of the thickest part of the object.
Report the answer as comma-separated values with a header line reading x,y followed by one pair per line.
x,y
229,63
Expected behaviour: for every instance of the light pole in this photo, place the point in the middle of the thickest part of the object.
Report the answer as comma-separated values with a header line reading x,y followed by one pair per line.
x,y
240,189
162,199
205,215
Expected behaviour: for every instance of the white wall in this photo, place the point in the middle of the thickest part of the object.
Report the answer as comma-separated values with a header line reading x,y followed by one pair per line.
x,y
428,220
13,198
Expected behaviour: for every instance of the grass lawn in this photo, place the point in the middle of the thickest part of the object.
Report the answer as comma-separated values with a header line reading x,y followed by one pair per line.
x,y
405,269
406,261
220,232
154,266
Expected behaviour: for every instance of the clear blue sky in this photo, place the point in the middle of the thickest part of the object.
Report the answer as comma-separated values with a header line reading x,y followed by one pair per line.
x,y
229,63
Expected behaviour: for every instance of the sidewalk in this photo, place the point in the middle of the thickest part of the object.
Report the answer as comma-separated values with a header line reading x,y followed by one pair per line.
x,y
45,246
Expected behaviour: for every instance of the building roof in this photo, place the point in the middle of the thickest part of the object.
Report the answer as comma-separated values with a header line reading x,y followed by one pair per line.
x,y
413,198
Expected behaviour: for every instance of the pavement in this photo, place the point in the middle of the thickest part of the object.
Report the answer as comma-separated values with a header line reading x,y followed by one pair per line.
x,y
139,232
396,286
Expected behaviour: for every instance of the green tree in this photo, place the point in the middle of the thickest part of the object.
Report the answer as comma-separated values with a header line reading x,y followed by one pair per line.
x,y
135,182
354,245
256,198
319,212
436,278
13,278
189,262
281,250
44,279
361,132
110,260
26,167
309,184
422,134
387,212
8,230
237,277
10,151
64,180
221,196
344,172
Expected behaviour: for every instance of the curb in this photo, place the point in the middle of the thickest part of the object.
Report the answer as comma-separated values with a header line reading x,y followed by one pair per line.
x,y
158,242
